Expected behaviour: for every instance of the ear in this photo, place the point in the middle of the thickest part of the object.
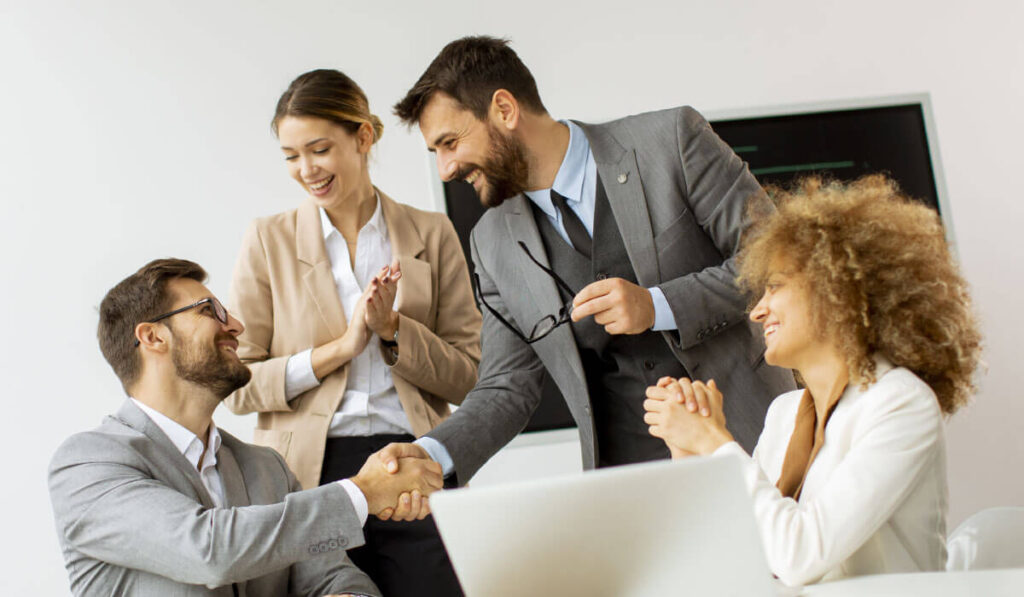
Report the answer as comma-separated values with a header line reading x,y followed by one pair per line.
x,y
152,337
364,137
504,111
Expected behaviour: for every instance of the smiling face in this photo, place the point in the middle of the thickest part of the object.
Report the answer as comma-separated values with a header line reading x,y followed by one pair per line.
x,y
473,150
204,349
327,160
785,313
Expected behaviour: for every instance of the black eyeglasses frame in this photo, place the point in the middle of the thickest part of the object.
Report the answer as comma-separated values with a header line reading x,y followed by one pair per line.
x,y
548,323
220,313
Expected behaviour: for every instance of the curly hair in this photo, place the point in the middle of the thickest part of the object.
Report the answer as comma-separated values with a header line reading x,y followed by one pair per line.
x,y
882,279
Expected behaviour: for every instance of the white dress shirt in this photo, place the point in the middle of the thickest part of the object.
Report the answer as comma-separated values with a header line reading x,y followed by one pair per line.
x,y
370,405
874,500
189,445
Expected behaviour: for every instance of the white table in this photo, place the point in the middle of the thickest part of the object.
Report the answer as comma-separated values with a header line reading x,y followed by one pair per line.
x,y
980,583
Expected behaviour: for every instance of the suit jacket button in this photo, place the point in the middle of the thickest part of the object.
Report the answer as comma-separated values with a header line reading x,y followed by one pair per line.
x,y
323,547
342,542
648,365
332,544
601,276
313,549
700,335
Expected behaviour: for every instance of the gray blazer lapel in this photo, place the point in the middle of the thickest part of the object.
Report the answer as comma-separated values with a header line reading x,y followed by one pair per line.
x,y
132,416
235,492
618,170
542,290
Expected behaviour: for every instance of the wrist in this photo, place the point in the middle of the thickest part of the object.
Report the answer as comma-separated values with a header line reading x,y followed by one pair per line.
x,y
716,439
390,329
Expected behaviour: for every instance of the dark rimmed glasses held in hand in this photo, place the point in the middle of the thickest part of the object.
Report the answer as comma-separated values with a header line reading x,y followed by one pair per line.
x,y
548,323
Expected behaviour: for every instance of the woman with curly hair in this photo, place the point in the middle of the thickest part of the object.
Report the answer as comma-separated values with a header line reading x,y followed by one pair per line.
x,y
860,295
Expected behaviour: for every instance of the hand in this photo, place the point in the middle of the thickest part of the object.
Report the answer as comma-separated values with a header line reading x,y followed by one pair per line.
x,y
383,488
672,407
381,317
411,506
620,306
357,334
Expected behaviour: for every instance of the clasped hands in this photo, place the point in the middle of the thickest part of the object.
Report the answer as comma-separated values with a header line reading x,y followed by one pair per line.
x,y
374,311
397,480
686,415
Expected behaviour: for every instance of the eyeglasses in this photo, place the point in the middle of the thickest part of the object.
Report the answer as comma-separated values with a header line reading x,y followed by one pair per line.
x,y
546,325
219,312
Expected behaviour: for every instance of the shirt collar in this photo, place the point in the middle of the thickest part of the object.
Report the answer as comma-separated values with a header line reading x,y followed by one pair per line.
x,y
571,173
376,220
184,440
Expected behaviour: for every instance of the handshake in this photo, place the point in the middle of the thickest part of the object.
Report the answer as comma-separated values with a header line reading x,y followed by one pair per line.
x,y
397,480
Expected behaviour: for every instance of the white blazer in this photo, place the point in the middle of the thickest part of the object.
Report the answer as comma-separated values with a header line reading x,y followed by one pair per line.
x,y
875,498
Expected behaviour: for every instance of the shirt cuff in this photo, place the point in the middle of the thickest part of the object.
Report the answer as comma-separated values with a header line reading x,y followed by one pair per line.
x,y
439,453
663,318
358,499
298,374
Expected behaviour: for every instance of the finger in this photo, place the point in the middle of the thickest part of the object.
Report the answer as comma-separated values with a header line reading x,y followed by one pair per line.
x,y
664,381
390,454
425,508
585,309
386,513
715,394
656,431
404,509
701,396
658,394
417,505
591,291
652,417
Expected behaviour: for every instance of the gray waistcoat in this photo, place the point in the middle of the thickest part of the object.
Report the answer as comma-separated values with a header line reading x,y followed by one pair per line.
x,y
618,368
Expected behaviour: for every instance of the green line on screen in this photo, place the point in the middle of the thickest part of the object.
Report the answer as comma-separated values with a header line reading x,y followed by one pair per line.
x,y
745,148
802,167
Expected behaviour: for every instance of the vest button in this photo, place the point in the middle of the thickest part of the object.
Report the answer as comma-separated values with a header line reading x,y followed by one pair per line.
x,y
602,276
648,365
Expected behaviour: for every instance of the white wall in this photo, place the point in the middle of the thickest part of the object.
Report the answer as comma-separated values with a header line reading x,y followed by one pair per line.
x,y
139,129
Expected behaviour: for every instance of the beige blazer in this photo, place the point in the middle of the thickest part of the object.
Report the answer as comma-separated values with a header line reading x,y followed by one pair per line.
x,y
284,292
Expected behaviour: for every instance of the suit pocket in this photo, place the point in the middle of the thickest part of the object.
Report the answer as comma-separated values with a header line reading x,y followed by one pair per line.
x,y
674,233
273,438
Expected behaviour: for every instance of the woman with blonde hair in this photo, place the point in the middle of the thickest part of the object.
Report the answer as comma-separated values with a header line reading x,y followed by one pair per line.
x,y
361,327
860,295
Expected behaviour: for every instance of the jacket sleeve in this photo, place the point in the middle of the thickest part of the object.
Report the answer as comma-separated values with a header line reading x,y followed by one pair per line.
x,y
252,301
804,540
443,360
505,396
717,188
109,506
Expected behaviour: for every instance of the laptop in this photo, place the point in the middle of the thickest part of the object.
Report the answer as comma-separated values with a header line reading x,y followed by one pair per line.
x,y
682,527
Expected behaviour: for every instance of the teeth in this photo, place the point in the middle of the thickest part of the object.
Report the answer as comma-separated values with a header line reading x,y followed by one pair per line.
x,y
323,183
771,329
472,177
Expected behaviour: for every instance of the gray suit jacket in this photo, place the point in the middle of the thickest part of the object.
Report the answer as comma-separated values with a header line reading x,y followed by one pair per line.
x,y
679,195
133,518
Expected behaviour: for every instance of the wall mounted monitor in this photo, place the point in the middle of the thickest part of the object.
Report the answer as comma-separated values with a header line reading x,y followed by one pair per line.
x,y
842,140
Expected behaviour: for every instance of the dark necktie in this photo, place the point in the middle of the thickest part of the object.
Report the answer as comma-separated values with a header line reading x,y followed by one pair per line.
x,y
578,235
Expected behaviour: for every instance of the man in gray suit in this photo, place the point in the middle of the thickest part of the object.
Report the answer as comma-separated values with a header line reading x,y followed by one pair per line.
x,y
625,231
158,501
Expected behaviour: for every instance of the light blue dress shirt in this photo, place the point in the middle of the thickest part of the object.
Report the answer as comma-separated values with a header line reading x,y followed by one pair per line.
x,y
576,180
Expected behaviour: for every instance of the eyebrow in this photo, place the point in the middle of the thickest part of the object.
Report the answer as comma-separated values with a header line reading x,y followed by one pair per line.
x,y
314,141
439,140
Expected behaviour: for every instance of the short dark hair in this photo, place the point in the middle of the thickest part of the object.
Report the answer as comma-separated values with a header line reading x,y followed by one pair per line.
x,y
139,297
470,70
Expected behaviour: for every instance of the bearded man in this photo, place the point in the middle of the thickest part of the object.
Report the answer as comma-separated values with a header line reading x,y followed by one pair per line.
x,y
606,258
158,501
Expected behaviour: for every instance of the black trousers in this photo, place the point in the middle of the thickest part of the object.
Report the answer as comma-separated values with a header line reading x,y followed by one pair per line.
x,y
405,559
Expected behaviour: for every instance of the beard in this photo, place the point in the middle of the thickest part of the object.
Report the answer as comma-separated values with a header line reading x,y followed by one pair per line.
x,y
207,366
506,170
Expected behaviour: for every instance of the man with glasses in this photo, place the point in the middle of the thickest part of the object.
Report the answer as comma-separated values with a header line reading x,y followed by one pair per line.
x,y
157,500
605,259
